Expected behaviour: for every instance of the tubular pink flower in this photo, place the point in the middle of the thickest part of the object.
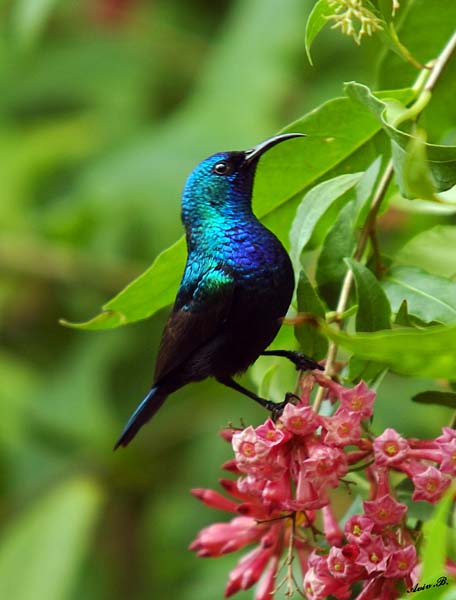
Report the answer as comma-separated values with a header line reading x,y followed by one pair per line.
x,y
358,529
448,459
430,485
277,493
401,562
300,420
221,538
214,500
390,448
359,399
385,510
433,454
248,571
267,584
331,529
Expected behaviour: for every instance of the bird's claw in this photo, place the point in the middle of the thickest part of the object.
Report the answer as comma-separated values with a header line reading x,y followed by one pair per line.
x,y
277,408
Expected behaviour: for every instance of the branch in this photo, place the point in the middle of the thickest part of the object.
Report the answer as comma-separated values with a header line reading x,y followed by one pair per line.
x,y
430,79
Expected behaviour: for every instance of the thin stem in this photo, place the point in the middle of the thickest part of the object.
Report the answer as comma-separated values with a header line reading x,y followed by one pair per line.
x,y
369,225
440,63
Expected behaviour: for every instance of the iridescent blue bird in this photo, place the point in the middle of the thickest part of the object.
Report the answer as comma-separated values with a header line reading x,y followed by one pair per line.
x,y
237,284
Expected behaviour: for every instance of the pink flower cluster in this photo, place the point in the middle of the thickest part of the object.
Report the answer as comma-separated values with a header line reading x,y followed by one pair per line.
x,y
282,499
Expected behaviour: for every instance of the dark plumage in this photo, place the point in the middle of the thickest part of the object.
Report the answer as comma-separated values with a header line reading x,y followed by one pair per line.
x,y
237,284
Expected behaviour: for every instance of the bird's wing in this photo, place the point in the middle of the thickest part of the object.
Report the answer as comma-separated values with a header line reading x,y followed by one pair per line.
x,y
196,317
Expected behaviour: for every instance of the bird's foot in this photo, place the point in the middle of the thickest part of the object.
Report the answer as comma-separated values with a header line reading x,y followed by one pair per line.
x,y
303,362
277,408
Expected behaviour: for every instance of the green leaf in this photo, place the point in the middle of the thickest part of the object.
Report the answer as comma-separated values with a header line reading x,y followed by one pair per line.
x,y
430,352
43,549
315,23
374,311
144,296
441,159
434,552
429,298
433,250
447,399
30,18
331,269
365,190
411,168
316,212
264,389
339,131
311,341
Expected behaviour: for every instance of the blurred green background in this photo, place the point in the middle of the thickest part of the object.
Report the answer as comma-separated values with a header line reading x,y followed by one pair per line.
x,y
106,105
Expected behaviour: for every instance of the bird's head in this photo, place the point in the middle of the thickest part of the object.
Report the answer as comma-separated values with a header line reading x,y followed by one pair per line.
x,y
223,182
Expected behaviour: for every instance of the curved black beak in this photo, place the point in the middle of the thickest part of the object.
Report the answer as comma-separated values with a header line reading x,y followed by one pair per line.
x,y
259,149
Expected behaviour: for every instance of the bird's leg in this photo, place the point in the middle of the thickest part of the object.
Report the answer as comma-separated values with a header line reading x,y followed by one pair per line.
x,y
301,361
275,408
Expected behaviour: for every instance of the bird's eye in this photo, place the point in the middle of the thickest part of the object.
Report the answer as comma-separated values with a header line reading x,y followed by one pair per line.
x,y
222,168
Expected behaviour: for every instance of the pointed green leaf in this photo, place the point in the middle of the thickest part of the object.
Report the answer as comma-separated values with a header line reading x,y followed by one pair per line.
x,y
144,296
429,352
311,341
411,168
315,23
435,550
429,298
374,311
433,250
316,212
331,269
365,190
264,389
447,399
42,550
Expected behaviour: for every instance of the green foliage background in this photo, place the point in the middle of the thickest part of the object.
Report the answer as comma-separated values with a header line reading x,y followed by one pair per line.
x,y
105,108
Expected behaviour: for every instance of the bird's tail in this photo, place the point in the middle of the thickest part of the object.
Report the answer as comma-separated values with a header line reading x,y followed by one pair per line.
x,y
142,414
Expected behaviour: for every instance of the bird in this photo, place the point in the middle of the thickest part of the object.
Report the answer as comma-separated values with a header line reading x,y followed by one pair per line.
x,y
236,287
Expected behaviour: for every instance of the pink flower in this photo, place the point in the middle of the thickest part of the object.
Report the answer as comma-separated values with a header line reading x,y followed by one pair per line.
x,y
222,538
331,527
385,510
248,570
341,562
342,429
327,463
267,584
359,399
430,485
448,434
317,587
373,557
300,420
448,459
271,435
390,448
401,562
358,529
248,447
